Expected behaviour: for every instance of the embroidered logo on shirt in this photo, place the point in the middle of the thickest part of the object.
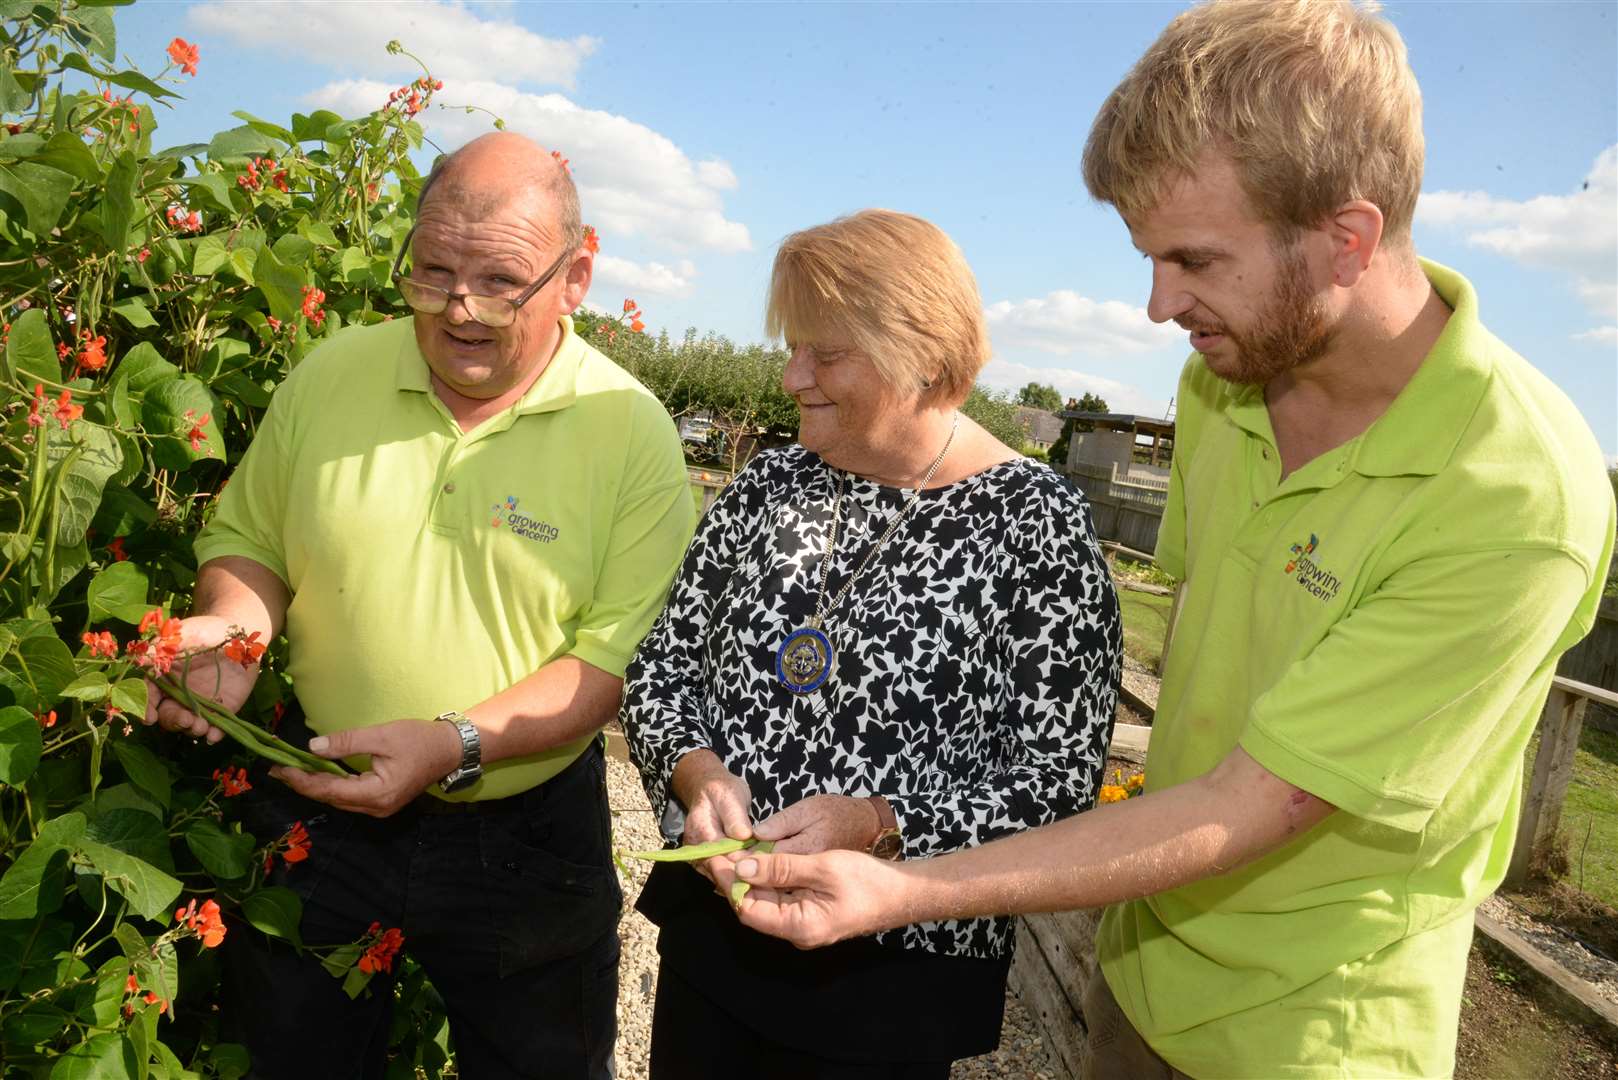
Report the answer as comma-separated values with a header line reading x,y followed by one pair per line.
x,y
506,513
1315,579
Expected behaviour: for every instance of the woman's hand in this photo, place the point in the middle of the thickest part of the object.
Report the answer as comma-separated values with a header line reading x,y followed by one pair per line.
x,y
821,823
717,804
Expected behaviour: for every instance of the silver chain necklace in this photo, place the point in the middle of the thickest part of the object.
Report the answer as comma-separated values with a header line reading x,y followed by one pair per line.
x,y
804,660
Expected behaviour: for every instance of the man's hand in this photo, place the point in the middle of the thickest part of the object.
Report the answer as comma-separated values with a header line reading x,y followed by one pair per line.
x,y
406,756
208,674
821,823
815,900
717,804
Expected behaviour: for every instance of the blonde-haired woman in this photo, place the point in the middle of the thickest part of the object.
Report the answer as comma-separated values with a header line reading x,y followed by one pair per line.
x,y
897,636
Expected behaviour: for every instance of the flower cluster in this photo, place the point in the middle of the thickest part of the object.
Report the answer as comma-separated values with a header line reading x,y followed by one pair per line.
x,y
293,846
116,550
242,647
384,946
413,98
312,299
185,54
633,314
101,644
1122,789
92,353
132,988
183,222
197,433
233,781
122,103
65,412
592,242
158,645
205,922
253,179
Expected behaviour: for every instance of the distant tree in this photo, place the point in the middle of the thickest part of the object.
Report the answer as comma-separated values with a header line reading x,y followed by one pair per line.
x,y
1039,396
1088,403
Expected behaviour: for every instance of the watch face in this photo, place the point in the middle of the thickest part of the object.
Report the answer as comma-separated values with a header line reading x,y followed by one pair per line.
x,y
888,846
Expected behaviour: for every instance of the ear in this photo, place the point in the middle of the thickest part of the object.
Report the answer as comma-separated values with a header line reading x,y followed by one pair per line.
x,y
577,285
1356,233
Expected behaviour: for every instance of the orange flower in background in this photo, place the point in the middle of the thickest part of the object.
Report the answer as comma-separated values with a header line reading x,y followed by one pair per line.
x,y
158,645
130,985
312,299
204,920
1111,793
293,845
592,242
556,155
234,781
636,325
46,719
183,222
101,644
66,411
92,354
116,550
629,305
242,647
144,254
197,433
185,54
34,417
385,945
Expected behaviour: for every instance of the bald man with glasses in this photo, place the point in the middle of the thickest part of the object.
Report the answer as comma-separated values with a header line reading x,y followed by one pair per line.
x,y
464,522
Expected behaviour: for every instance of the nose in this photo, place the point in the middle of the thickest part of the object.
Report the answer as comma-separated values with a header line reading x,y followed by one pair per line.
x,y
800,371
456,311
1169,298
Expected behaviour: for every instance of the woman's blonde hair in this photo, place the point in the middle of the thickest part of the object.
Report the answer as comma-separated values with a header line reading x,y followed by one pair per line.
x,y
1314,101
891,286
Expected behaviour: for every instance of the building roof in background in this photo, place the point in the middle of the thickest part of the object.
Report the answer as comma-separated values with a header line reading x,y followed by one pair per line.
x,y
1039,425
1148,425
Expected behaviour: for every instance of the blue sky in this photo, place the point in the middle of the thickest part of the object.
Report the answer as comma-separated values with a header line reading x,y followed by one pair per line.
x,y
702,133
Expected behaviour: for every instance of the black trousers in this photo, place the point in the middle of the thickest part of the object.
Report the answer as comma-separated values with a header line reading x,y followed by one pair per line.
x,y
511,910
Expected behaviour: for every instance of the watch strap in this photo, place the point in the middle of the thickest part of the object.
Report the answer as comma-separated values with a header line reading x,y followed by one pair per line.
x,y
471,766
887,844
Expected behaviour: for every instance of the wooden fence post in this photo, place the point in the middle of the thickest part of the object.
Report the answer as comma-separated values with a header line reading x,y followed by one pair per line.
x,y
1559,726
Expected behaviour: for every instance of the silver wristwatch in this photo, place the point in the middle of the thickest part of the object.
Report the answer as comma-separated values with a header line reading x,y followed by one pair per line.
x,y
470,770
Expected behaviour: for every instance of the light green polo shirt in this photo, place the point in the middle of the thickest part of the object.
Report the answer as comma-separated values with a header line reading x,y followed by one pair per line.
x,y
1379,629
430,568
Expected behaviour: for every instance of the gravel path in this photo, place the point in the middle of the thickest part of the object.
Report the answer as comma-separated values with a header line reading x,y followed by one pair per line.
x,y
1557,943
1021,1053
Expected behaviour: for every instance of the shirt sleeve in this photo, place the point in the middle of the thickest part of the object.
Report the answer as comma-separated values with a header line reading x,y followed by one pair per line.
x,y
1385,714
663,710
1061,645
651,525
247,521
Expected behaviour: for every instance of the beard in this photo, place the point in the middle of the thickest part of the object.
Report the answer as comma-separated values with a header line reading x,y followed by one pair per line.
x,y
1292,330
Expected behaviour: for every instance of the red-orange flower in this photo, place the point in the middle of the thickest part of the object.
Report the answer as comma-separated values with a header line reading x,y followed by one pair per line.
x,y
182,221
636,325
242,647
556,155
592,242
130,985
116,550
234,781
293,846
630,305
205,921
46,719
197,434
158,645
312,299
66,411
144,254
34,418
101,644
92,354
185,54
385,945
161,1003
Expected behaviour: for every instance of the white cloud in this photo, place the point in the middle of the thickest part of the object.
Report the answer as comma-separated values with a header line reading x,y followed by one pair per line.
x,y
1120,397
449,37
649,277
1063,322
1601,335
632,180
1575,233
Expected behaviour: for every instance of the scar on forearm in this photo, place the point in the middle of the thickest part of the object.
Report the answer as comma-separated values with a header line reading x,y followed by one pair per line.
x,y
1295,804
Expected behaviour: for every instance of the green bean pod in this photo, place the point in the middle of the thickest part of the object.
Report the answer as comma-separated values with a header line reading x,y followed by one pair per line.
x,y
738,888
694,852
250,737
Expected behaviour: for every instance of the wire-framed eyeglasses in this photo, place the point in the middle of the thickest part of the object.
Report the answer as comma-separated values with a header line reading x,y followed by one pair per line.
x,y
491,311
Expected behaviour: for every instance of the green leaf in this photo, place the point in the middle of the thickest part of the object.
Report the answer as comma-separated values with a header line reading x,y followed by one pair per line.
x,y
36,671
122,512
317,232
67,152
354,265
293,249
225,855
20,744
102,37
241,263
91,686
38,191
119,592
100,459
338,962
135,312
118,202
142,367
159,969
314,126
134,832
276,911
132,942
104,1008
184,150
130,696
243,389
211,254
33,1025
164,415
242,142
281,284
30,353
149,890
108,1056
14,97
264,127
213,186
231,1060
146,771
33,884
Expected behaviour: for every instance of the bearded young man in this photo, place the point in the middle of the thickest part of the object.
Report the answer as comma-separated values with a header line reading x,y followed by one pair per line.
x,y
1389,528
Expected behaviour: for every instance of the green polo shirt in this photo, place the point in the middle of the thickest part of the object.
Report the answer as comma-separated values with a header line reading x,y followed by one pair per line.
x,y
1379,629
432,568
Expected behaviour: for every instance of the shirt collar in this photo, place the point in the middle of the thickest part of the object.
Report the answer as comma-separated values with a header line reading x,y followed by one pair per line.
x,y
556,388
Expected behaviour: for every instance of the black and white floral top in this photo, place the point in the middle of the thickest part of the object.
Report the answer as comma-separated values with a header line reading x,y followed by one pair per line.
x,y
975,671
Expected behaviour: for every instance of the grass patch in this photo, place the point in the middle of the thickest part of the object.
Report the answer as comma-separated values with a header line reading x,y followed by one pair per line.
x,y
1146,619
1590,813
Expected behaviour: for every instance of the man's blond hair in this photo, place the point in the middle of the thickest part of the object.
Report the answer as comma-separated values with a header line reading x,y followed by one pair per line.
x,y
1314,101
893,287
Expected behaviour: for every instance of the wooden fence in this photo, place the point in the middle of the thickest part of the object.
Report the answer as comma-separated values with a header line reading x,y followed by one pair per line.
x,y
707,483
1595,661
1127,508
